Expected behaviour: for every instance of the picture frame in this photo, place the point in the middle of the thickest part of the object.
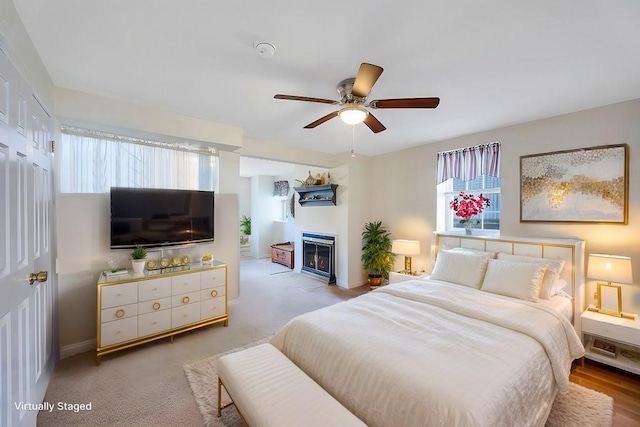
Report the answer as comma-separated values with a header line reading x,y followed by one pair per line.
x,y
610,299
588,185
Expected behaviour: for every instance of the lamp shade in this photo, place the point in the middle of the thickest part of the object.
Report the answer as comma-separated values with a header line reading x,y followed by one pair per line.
x,y
405,247
611,268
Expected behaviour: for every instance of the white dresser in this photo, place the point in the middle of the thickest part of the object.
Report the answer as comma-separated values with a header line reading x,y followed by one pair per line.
x,y
133,310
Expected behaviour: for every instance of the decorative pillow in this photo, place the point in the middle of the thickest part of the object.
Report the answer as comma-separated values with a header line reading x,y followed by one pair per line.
x,y
469,251
460,268
514,279
559,286
551,275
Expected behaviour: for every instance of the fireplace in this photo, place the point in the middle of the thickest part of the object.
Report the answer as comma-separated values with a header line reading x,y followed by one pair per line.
x,y
319,255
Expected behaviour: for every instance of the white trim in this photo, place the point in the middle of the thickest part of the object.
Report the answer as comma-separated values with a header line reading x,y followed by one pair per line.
x,y
77,348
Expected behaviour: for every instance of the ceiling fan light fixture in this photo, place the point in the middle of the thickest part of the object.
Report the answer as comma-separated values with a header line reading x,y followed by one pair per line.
x,y
353,114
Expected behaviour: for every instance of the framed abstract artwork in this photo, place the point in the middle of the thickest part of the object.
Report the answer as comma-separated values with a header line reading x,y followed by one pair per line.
x,y
588,185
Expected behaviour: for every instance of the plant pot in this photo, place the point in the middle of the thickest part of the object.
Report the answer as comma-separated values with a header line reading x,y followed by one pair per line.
x,y
138,265
375,280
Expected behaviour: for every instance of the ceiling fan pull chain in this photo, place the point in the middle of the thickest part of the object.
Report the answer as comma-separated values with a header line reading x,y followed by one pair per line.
x,y
353,140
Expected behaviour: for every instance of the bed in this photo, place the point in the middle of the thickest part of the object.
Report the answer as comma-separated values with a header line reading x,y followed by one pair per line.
x,y
435,352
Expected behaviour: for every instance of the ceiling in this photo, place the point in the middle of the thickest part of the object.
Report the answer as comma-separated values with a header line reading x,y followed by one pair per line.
x,y
493,63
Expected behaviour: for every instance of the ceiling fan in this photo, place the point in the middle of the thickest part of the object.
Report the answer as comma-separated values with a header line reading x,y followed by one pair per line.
x,y
353,96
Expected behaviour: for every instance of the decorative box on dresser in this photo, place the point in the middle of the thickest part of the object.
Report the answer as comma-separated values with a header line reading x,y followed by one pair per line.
x,y
135,309
623,333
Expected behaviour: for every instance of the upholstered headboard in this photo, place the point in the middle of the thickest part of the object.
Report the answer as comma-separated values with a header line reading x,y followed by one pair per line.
x,y
569,250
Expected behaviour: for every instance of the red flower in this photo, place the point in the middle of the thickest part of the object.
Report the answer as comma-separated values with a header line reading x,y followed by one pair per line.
x,y
468,205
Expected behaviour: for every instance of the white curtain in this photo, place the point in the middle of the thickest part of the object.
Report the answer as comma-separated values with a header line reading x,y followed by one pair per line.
x,y
469,163
93,162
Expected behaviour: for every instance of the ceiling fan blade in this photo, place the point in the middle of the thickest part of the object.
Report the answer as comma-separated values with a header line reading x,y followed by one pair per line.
x,y
405,103
321,120
305,98
374,124
365,79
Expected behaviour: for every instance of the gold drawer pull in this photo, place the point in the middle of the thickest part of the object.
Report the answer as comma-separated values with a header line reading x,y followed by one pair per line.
x,y
185,300
156,305
154,323
214,293
120,313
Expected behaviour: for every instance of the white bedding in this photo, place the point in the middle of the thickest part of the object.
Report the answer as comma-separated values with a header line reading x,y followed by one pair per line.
x,y
561,304
422,353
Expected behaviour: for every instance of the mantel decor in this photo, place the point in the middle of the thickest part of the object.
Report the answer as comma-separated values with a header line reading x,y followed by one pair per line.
x,y
589,185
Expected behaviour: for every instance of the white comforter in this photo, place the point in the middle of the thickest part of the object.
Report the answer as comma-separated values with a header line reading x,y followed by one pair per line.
x,y
428,353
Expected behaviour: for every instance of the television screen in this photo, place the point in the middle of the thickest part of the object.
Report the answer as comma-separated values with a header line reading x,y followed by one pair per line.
x,y
158,217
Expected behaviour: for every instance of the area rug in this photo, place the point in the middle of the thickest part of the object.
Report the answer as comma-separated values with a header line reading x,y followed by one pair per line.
x,y
581,407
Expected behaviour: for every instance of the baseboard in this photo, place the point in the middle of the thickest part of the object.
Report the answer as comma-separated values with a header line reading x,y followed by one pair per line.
x,y
76,348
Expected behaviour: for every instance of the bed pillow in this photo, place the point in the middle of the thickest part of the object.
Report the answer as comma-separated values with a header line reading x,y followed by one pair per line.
x,y
514,279
560,287
491,255
551,275
460,268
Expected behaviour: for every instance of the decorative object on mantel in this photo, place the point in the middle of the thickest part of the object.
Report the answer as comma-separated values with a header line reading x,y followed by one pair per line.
x,y
583,185
467,208
610,268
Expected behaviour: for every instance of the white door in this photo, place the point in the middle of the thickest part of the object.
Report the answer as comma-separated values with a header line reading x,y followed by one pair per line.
x,y
26,322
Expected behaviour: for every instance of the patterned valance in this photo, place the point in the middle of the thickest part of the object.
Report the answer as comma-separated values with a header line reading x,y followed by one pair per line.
x,y
468,163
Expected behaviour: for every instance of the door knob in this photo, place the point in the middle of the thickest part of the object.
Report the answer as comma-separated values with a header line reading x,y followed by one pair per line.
x,y
40,277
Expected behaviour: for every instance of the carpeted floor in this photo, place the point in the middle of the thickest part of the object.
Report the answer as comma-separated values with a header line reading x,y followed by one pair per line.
x,y
146,385
581,407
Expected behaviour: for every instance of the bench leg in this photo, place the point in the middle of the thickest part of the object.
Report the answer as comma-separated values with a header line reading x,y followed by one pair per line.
x,y
219,398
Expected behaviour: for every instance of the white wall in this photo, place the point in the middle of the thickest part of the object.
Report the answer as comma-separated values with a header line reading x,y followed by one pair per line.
x,y
407,184
264,210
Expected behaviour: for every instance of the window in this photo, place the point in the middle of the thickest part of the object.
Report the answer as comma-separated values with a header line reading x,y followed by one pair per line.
x,y
489,186
473,170
93,162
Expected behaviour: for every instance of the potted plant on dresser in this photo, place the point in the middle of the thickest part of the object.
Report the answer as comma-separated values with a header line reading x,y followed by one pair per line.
x,y
377,258
138,257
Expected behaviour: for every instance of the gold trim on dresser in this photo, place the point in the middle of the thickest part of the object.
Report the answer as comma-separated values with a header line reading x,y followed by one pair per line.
x,y
155,305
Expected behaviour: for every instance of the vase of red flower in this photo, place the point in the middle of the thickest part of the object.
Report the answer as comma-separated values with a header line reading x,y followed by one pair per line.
x,y
467,207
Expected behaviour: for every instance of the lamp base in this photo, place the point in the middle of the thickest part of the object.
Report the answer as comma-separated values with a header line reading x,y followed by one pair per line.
x,y
407,264
608,313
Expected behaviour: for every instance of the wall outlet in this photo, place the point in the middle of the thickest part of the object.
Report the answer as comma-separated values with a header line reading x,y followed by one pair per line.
x,y
595,295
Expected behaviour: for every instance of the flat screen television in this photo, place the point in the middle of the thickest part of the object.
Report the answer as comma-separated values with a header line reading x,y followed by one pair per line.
x,y
159,217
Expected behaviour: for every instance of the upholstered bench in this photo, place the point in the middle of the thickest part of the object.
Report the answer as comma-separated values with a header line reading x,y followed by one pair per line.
x,y
270,390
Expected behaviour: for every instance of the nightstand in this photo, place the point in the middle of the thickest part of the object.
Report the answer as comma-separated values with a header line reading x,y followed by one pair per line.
x,y
397,277
623,333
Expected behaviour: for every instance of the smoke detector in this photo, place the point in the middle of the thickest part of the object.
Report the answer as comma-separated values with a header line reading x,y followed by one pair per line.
x,y
265,50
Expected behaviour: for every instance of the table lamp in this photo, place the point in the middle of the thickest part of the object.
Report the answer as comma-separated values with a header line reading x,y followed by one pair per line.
x,y
406,248
610,268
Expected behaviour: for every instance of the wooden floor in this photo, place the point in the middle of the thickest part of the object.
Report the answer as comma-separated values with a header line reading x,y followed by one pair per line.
x,y
623,386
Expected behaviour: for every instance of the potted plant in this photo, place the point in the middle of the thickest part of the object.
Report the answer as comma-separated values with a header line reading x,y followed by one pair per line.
x,y
245,225
377,257
138,257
